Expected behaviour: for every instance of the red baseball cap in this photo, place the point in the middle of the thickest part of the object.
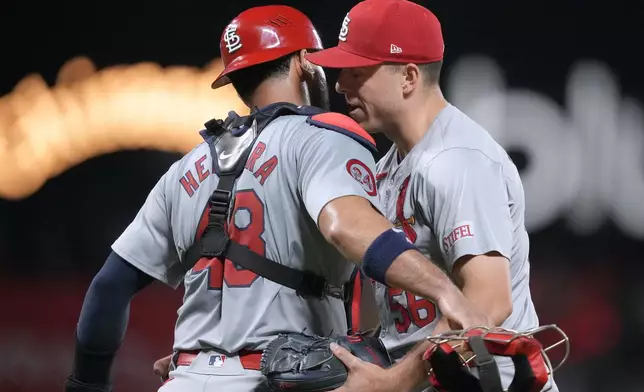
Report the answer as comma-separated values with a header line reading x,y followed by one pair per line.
x,y
377,31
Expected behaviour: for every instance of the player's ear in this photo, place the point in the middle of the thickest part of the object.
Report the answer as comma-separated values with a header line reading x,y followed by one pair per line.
x,y
305,66
411,78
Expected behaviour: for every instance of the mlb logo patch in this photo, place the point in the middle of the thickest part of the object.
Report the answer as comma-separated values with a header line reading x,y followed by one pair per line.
x,y
217,360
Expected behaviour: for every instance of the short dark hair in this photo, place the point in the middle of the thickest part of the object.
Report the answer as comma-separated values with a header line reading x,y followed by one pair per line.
x,y
246,80
431,72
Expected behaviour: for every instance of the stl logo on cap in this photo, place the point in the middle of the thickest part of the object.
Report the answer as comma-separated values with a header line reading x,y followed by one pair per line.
x,y
345,28
233,41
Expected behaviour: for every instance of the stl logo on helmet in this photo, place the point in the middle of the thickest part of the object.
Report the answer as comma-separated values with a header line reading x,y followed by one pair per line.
x,y
233,41
345,28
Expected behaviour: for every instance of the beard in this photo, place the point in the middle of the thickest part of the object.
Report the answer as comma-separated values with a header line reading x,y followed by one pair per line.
x,y
319,91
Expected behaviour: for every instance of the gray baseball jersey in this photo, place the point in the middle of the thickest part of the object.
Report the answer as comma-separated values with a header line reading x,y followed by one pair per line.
x,y
456,193
293,171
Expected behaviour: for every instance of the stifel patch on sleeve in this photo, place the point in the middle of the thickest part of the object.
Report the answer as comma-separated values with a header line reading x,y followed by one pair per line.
x,y
463,230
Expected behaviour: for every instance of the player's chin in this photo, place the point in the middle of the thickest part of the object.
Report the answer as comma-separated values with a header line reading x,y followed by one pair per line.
x,y
358,115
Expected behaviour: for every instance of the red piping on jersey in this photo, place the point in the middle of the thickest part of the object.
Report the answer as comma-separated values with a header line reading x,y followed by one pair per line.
x,y
400,213
380,176
356,304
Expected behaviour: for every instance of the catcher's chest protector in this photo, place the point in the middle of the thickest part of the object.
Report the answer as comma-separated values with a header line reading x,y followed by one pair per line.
x,y
230,143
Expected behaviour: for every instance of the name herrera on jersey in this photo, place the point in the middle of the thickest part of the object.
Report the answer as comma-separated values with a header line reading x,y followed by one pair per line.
x,y
191,183
266,168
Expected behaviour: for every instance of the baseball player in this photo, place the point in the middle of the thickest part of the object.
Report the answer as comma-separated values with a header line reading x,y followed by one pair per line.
x,y
445,182
259,222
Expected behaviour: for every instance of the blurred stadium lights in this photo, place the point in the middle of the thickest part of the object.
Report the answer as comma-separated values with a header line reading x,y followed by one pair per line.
x,y
45,131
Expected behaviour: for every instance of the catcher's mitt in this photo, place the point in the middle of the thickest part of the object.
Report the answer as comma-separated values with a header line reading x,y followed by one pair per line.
x,y
456,353
298,362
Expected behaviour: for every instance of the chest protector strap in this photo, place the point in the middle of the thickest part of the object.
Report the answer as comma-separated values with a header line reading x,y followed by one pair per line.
x,y
215,241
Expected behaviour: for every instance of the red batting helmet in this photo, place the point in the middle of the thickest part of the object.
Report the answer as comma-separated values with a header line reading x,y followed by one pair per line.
x,y
262,34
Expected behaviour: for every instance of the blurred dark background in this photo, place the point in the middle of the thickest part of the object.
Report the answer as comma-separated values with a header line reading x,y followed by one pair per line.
x,y
559,83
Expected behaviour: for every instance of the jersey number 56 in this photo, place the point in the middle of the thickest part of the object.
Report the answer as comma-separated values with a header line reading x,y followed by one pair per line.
x,y
420,312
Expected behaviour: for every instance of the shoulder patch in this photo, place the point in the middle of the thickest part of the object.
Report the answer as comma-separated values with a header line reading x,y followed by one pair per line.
x,y
361,173
344,124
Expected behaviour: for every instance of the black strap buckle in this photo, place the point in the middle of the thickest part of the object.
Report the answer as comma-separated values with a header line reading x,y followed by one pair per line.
x,y
215,241
312,285
219,203
315,286
336,292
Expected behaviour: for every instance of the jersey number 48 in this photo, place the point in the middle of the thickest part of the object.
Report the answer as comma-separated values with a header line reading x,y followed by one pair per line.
x,y
250,236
